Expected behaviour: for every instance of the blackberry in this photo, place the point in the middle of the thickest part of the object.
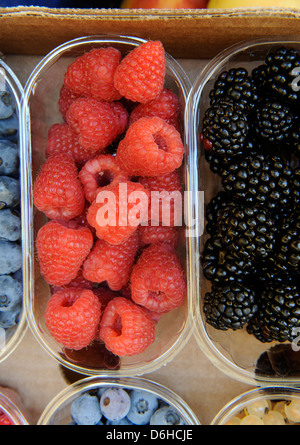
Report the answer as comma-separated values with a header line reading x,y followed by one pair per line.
x,y
288,257
219,265
258,77
224,132
229,306
281,77
236,85
260,179
216,204
273,122
248,231
277,315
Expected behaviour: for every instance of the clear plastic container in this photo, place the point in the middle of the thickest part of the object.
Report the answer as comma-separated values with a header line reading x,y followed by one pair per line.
x,y
12,406
236,353
12,319
40,111
58,410
261,403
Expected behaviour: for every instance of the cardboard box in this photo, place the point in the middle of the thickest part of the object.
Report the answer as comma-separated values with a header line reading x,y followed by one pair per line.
x,y
186,33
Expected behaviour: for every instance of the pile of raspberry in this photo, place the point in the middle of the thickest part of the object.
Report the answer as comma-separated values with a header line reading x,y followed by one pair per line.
x,y
112,275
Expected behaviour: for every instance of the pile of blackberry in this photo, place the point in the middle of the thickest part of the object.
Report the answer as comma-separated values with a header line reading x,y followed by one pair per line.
x,y
250,135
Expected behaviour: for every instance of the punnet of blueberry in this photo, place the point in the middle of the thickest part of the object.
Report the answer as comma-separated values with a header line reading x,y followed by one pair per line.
x,y
250,138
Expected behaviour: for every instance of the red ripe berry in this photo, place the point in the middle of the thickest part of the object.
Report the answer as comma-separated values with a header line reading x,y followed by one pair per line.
x,y
118,210
151,147
61,250
165,106
72,317
166,198
98,173
57,191
157,279
126,328
111,263
104,295
92,74
5,419
66,98
61,139
158,234
79,282
141,74
96,123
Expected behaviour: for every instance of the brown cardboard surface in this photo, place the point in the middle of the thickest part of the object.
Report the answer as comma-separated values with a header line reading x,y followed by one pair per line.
x,y
185,33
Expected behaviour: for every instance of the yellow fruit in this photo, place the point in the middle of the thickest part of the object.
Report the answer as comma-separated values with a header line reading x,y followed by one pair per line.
x,y
223,4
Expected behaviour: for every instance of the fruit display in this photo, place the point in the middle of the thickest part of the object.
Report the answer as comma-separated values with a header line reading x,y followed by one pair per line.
x,y
11,287
251,253
122,406
262,406
112,269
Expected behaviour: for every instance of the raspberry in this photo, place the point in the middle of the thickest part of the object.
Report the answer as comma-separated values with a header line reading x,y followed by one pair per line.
x,y
66,98
57,190
61,250
98,173
165,106
5,419
157,279
151,147
158,234
96,123
104,295
125,328
92,74
118,218
111,263
141,74
78,282
166,204
61,139
72,316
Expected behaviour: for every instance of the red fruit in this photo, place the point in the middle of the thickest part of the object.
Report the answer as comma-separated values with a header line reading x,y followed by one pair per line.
x,y
165,106
141,74
61,139
166,204
92,74
57,190
61,250
158,234
118,211
104,295
125,328
98,173
78,282
72,317
5,419
151,147
66,98
96,123
111,263
157,279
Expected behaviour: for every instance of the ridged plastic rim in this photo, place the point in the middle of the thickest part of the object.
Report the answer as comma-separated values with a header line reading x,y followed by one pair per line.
x,y
184,82
9,408
91,383
207,346
20,330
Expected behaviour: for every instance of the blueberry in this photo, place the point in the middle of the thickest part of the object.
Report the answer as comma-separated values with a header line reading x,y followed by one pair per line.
x,y
11,293
85,410
114,403
166,416
8,319
10,225
9,192
9,128
18,276
143,405
123,421
7,105
9,158
10,258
